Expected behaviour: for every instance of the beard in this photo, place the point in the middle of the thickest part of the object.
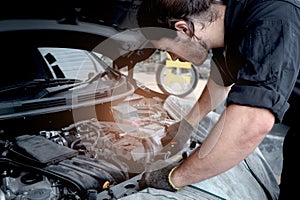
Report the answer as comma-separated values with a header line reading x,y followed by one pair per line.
x,y
200,56
199,51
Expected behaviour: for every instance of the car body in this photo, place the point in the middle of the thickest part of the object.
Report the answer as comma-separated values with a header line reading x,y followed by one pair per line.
x,y
72,126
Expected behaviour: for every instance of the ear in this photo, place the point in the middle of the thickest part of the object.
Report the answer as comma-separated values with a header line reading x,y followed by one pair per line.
x,y
182,26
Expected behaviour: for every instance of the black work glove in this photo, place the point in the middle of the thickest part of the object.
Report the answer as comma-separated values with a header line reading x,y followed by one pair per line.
x,y
158,179
179,131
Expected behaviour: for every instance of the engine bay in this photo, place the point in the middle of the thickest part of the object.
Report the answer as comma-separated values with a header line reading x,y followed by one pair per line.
x,y
87,159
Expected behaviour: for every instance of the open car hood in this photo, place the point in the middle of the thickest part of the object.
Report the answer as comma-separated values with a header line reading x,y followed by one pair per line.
x,y
61,23
86,26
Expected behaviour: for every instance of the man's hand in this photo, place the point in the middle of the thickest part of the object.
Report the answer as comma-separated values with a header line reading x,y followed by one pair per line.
x,y
159,179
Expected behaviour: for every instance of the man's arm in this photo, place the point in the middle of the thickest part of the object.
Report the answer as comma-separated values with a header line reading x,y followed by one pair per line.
x,y
238,132
212,95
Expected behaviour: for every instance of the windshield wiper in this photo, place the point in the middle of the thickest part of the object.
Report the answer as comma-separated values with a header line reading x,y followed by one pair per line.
x,y
41,88
34,89
108,72
40,83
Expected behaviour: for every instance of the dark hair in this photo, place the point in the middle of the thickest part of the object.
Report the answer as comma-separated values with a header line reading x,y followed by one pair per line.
x,y
164,13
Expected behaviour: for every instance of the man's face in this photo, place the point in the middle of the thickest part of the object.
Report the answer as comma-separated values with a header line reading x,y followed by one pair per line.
x,y
183,49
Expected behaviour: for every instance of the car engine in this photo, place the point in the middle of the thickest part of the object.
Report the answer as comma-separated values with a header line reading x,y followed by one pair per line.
x,y
87,157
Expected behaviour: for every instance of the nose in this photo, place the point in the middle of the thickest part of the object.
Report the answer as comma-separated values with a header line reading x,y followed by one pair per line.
x,y
173,56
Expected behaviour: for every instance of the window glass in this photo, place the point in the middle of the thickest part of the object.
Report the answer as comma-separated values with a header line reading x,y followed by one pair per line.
x,y
73,63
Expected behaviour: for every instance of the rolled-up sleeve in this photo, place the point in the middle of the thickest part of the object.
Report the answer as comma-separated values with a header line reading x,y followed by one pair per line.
x,y
259,97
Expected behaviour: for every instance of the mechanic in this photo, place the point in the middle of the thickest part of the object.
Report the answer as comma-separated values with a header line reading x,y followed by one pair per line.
x,y
255,46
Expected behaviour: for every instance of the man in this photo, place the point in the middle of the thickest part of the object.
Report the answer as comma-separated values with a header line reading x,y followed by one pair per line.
x,y
255,46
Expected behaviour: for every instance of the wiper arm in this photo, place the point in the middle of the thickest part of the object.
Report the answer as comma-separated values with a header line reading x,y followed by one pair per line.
x,y
59,88
109,71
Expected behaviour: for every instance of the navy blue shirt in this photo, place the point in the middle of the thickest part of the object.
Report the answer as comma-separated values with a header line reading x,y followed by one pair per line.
x,y
261,58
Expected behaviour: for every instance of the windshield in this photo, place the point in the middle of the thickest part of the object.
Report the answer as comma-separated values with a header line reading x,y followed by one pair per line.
x,y
72,63
63,69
